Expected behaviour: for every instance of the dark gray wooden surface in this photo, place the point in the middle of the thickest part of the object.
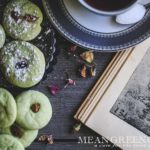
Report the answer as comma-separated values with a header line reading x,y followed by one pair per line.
x,y
67,101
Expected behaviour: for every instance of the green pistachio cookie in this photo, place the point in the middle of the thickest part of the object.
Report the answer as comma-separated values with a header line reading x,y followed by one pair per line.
x,y
22,64
8,109
22,20
2,36
26,137
34,110
8,142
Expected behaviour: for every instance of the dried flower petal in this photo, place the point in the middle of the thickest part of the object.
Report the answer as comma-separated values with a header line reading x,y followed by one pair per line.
x,y
46,138
77,127
72,49
50,139
42,138
87,56
54,89
83,71
71,82
93,71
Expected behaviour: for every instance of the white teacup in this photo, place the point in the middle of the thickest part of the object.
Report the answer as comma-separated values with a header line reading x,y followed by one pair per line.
x,y
102,12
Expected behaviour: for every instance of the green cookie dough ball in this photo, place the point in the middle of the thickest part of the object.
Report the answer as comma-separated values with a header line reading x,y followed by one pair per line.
x,y
8,142
2,36
22,63
22,20
26,137
8,109
34,110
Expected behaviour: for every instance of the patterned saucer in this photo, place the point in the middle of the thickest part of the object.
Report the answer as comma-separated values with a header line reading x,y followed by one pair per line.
x,y
93,31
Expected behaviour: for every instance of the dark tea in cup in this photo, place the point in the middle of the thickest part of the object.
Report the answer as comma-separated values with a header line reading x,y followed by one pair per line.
x,y
109,5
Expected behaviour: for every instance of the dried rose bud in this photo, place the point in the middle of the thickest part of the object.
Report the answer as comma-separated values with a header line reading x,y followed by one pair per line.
x,y
50,139
93,71
54,89
83,71
70,82
88,56
42,138
77,127
46,138
72,49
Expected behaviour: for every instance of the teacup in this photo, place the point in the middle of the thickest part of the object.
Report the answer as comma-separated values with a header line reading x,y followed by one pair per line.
x,y
108,7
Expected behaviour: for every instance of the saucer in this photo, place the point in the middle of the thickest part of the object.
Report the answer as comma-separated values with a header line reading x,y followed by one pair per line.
x,y
93,31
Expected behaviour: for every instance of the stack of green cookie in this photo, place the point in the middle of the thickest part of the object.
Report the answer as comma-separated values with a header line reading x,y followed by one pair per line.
x,y
20,119
22,63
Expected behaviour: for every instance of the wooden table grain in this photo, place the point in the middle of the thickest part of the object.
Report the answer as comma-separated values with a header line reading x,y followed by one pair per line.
x,y
68,100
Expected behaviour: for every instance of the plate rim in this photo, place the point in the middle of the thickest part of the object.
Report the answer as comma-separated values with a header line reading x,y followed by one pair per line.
x,y
86,45
96,33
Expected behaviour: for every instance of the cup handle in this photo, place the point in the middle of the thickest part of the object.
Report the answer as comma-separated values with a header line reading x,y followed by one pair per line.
x,y
144,2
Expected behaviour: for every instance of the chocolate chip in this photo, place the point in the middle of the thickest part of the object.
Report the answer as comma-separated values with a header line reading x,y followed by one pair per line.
x,y
22,64
15,15
35,107
16,131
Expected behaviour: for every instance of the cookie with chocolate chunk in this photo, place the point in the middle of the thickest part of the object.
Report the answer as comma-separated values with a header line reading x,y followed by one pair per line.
x,y
26,137
22,20
8,109
22,63
8,142
34,110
